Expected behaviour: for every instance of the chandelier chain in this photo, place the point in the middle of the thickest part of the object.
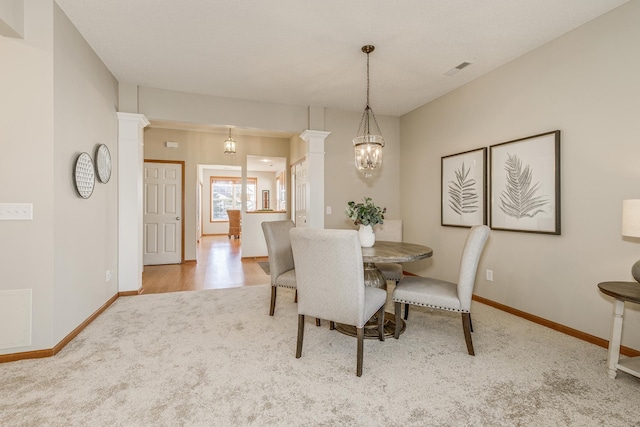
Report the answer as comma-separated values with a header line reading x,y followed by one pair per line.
x,y
365,126
367,80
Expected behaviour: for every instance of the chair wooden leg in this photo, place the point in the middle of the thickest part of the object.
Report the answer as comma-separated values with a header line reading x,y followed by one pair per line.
x,y
300,335
381,323
332,325
360,335
470,323
466,325
272,308
295,298
406,311
318,322
398,309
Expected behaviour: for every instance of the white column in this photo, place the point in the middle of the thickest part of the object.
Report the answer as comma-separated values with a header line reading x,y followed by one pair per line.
x,y
315,173
130,193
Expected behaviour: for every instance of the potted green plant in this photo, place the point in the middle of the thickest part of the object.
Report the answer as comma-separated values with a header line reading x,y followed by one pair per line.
x,y
366,215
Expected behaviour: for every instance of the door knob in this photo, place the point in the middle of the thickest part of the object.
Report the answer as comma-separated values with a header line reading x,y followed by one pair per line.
x,y
177,218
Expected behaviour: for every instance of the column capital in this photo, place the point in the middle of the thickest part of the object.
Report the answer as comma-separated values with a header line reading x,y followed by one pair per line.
x,y
315,140
308,135
141,119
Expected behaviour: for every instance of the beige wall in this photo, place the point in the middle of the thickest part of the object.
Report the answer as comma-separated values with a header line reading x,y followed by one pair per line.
x,y
344,183
26,174
85,102
586,84
297,148
205,148
12,18
57,101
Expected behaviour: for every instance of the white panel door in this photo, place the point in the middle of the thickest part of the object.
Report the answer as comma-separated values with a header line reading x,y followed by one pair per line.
x,y
162,213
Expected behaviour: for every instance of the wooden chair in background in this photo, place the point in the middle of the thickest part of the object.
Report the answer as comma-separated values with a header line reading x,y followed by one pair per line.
x,y
235,224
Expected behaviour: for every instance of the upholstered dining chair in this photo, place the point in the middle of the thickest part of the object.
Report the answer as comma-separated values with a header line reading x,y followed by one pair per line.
x,y
330,277
443,295
281,267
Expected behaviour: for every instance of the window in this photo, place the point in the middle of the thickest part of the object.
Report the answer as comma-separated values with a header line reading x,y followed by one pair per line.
x,y
226,193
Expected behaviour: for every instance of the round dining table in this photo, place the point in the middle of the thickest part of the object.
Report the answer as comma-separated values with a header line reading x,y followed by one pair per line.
x,y
384,251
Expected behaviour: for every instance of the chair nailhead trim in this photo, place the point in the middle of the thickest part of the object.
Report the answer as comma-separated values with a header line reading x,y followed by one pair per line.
x,y
283,286
430,306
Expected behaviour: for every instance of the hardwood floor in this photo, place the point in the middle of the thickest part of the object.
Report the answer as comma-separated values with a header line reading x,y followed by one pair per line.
x,y
219,266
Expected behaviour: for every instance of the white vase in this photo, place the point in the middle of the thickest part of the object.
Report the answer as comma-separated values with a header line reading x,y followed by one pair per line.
x,y
367,236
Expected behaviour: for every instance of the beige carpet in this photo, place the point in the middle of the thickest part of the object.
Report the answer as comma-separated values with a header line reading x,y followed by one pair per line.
x,y
215,358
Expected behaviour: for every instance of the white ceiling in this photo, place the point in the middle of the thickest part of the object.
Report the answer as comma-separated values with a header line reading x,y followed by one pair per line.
x,y
307,52
266,164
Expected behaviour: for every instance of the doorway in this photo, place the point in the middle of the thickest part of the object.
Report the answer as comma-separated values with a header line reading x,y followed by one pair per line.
x,y
220,189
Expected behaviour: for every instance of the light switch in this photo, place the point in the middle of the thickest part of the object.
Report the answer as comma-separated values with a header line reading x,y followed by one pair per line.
x,y
16,211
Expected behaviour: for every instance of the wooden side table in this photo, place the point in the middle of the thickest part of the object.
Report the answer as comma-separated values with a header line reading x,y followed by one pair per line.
x,y
621,291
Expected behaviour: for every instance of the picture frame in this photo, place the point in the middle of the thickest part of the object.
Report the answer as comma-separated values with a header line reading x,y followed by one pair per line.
x,y
464,188
525,184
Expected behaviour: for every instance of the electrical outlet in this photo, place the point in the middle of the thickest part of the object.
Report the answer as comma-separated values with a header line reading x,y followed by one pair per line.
x,y
109,275
328,210
490,275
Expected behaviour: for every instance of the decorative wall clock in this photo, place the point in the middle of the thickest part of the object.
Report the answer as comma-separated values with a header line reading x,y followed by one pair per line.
x,y
103,163
84,175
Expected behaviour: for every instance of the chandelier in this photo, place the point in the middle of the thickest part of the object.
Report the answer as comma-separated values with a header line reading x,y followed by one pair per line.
x,y
229,145
368,146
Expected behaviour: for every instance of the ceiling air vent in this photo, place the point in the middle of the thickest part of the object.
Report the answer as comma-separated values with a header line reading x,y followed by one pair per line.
x,y
457,68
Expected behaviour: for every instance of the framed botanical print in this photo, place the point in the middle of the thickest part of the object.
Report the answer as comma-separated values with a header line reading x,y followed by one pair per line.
x,y
525,184
464,188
